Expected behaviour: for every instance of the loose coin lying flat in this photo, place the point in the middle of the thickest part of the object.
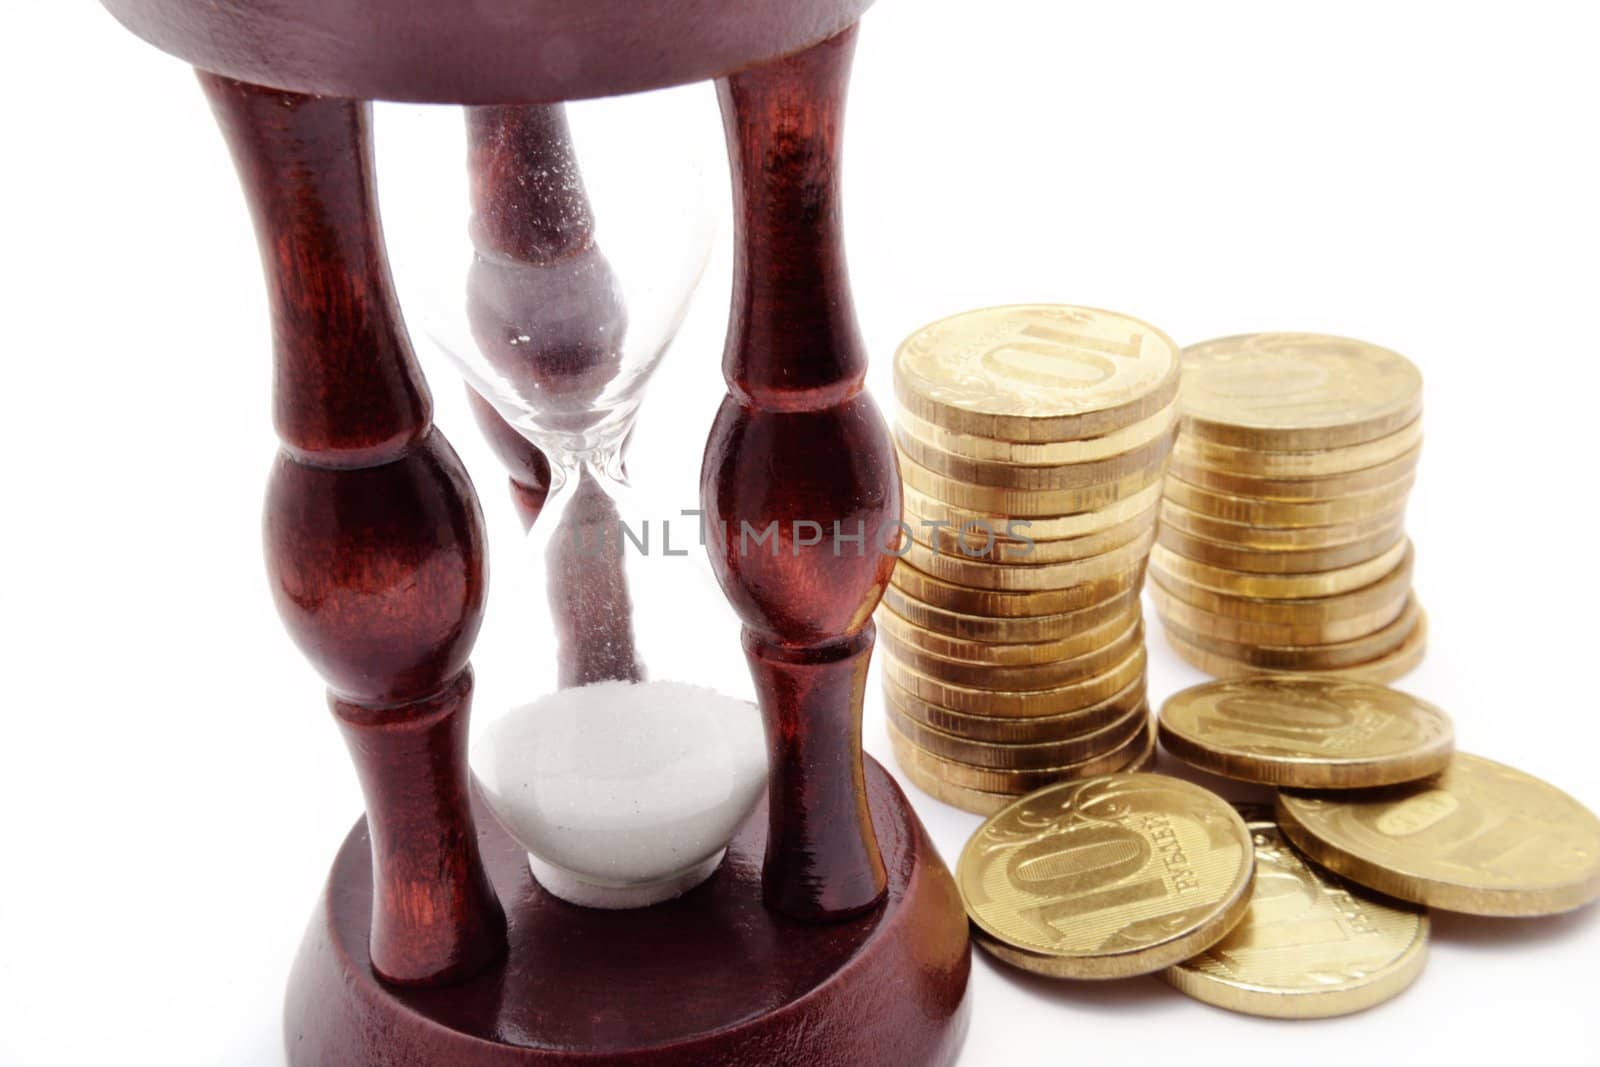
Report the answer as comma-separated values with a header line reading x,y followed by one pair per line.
x,y
1311,945
1106,878
1481,838
1307,732
1296,391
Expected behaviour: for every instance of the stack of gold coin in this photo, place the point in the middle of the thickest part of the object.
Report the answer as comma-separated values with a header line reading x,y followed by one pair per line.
x,y
1033,441
1282,544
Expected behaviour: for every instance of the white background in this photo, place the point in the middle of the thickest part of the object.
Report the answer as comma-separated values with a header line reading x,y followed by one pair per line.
x,y
1420,175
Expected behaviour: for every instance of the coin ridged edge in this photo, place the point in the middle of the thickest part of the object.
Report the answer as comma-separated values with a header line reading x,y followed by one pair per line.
x,y
1332,774
1487,902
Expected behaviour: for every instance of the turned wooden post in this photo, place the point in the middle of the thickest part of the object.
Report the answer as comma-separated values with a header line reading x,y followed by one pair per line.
x,y
798,443
374,538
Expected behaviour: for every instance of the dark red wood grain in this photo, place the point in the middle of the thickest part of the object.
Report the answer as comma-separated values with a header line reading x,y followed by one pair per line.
x,y
483,52
798,442
530,470
711,979
374,540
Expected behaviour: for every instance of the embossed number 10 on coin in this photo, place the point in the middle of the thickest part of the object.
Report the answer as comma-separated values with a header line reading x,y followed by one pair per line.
x,y
1307,732
1107,878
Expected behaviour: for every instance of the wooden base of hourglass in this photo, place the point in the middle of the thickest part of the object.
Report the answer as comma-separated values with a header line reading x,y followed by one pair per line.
x,y
711,978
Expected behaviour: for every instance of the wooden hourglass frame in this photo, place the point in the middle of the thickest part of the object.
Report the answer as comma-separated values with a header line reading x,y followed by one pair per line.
x,y
832,933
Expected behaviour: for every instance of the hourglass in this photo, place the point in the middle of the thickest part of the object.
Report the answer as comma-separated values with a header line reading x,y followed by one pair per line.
x,y
825,930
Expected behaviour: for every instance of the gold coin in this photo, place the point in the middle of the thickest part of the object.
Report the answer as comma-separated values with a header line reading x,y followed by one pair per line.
x,y
1018,782
1022,678
1481,838
1296,391
1324,624
1036,372
1116,876
1025,577
1144,460
1392,588
1295,610
1166,563
1311,945
1303,658
1268,538
1022,503
1259,463
1040,628
953,597
1282,560
977,701
1250,511
1012,729
1304,732
907,634
1025,756
921,509
1325,487
1083,450
980,802
989,542
1381,671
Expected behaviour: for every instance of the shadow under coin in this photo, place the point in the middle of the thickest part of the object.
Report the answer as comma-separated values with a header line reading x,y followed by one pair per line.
x,y
1476,931
1139,994
1229,789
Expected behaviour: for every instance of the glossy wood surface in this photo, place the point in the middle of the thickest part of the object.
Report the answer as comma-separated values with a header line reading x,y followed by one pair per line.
x,y
484,52
712,979
374,539
797,442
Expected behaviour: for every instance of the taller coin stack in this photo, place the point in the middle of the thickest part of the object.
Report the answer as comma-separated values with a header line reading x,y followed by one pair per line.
x,y
1283,544
1033,441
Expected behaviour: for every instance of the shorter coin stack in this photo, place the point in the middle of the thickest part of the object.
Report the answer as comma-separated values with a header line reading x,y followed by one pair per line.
x,y
1033,441
1283,543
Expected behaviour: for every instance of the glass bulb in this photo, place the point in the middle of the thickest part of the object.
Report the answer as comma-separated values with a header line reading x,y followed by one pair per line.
x,y
630,758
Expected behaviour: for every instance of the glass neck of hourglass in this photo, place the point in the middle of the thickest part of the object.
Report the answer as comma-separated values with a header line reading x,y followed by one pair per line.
x,y
582,535
594,448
